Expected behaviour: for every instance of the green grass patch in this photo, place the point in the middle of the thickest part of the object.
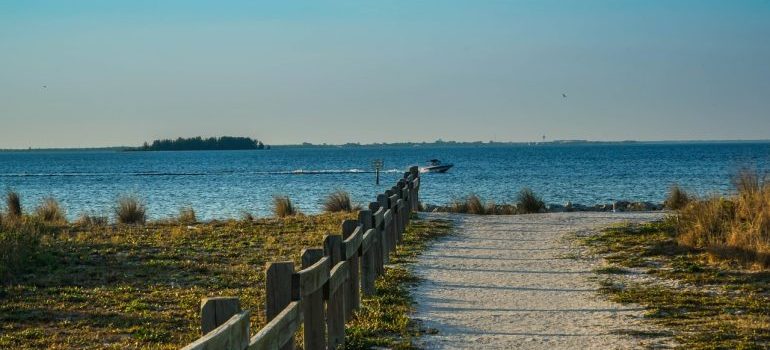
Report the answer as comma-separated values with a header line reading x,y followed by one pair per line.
x,y
704,304
384,318
140,286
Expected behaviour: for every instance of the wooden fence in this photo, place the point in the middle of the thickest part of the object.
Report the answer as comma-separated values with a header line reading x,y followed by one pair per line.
x,y
327,289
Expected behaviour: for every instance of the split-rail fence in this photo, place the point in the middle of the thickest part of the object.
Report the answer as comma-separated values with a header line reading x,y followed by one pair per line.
x,y
327,289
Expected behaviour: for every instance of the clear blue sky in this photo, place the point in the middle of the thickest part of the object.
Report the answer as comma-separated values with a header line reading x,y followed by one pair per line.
x,y
121,72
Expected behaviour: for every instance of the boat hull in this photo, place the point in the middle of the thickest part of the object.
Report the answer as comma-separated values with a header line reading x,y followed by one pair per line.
x,y
437,168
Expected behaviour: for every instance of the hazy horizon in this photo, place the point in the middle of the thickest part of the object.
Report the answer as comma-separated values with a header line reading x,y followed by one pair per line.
x,y
95,74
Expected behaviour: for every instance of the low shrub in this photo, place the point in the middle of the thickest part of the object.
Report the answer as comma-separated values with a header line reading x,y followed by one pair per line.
x,y
19,244
339,201
130,210
186,216
50,211
282,207
91,220
677,198
13,204
529,202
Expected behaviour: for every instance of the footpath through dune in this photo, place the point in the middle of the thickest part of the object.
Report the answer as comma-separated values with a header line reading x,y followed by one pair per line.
x,y
513,282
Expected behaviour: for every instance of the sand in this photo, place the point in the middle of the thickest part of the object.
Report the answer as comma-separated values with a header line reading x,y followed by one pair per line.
x,y
514,282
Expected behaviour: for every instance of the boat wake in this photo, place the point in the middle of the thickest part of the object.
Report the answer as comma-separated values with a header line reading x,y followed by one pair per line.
x,y
225,172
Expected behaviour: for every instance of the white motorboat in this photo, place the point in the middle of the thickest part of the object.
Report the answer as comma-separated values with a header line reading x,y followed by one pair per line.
x,y
435,166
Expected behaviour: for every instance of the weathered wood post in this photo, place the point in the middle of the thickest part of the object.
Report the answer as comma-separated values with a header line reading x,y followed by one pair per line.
x,y
278,288
351,246
387,243
306,289
397,214
334,292
369,244
216,311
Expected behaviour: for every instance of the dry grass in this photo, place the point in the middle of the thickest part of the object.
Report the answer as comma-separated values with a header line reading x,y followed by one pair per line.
x,y
139,287
699,302
529,202
89,220
130,210
186,216
736,228
473,204
339,201
13,205
677,198
51,211
282,207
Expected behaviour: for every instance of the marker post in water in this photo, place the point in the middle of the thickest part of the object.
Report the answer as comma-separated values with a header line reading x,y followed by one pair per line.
x,y
377,163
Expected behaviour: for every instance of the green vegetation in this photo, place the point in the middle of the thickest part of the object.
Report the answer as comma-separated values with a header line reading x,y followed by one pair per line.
x,y
19,246
199,143
138,286
282,207
130,210
384,318
339,201
703,303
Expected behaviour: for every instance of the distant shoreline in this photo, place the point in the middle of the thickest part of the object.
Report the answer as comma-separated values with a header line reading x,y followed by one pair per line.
x,y
418,144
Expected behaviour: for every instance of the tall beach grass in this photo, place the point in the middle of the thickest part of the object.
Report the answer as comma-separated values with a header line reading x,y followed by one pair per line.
x,y
13,205
734,227
130,210
50,211
283,207
339,201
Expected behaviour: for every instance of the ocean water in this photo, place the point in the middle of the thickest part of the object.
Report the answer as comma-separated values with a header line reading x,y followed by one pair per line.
x,y
222,184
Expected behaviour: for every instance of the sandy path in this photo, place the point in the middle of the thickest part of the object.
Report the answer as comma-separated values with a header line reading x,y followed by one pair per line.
x,y
504,282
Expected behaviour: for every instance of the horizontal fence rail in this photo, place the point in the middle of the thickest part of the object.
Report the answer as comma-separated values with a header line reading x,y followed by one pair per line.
x,y
326,291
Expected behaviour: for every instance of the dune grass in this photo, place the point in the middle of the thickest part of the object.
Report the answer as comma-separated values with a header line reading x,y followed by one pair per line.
x,y
12,205
91,220
528,202
130,210
339,201
186,216
50,211
700,302
735,227
677,198
283,207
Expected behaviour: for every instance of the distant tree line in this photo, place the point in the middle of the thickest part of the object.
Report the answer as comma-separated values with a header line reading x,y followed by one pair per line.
x,y
200,144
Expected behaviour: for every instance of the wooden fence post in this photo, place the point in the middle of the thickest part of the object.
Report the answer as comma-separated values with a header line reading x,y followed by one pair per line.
x,y
370,256
216,311
313,306
352,294
335,305
278,290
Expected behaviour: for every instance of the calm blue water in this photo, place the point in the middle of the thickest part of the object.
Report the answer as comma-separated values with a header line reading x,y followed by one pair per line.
x,y
224,184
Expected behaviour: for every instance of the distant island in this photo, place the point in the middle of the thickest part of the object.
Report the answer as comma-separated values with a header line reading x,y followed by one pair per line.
x,y
224,143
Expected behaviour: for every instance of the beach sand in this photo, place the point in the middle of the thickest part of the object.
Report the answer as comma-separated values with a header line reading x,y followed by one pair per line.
x,y
514,282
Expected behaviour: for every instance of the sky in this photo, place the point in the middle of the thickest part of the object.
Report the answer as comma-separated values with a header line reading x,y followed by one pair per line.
x,y
107,73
